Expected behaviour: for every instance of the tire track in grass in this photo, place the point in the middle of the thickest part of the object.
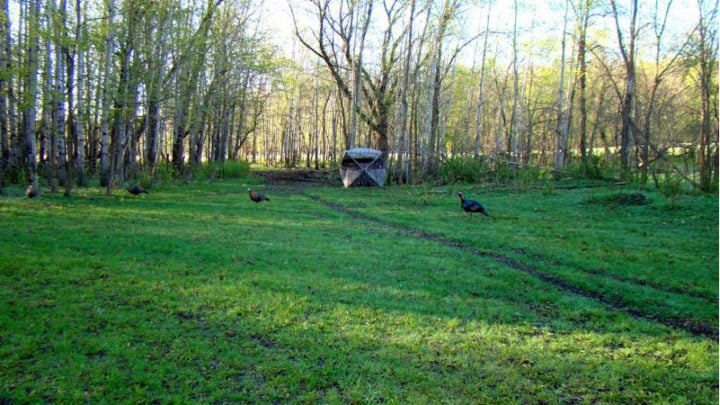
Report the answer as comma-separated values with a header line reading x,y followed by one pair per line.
x,y
708,297
697,328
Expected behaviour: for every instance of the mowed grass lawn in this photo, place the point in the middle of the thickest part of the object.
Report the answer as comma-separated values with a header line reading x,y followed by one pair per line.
x,y
195,294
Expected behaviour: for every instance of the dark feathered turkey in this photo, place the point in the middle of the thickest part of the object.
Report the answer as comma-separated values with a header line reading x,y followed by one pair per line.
x,y
137,190
257,196
471,205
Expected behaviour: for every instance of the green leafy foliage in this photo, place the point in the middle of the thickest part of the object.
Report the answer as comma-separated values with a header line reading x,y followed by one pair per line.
x,y
595,167
462,170
672,187
507,174
231,169
330,295
164,174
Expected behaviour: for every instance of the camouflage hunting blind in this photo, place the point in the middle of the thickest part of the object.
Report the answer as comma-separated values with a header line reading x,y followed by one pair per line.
x,y
362,167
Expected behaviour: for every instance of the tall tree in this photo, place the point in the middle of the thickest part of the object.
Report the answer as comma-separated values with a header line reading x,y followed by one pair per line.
x,y
514,124
157,21
30,83
402,120
125,96
58,159
5,87
707,49
377,86
562,127
107,95
481,85
354,51
627,50
438,74
79,80
583,13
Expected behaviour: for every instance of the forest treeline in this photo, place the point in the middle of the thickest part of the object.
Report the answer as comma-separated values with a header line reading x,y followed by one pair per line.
x,y
129,90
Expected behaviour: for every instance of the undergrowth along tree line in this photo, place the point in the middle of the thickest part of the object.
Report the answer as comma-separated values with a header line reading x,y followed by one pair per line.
x,y
138,89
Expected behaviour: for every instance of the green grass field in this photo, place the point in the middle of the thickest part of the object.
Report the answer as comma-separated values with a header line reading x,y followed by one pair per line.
x,y
194,294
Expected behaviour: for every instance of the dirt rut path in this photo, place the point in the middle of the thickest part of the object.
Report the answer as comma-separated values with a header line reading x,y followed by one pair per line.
x,y
703,329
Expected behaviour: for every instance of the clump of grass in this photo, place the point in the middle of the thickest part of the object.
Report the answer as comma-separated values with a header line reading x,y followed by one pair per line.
x,y
620,199
548,189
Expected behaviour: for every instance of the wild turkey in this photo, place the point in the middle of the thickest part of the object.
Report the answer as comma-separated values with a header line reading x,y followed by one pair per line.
x,y
136,190
30,192
472,206
257,196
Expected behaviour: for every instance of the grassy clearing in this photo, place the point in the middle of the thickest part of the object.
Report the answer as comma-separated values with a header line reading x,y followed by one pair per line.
x,y
196,294
663,252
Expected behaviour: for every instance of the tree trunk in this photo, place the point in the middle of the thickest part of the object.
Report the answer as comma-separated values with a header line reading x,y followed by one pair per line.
x,y
481,86
5,88
402,119
316,121
357,66
561,131
432,161
582,80
105,169
60,155
59,93
628,53
155,54
512,142
125,101
48,143
30,87
708,61
94,92
80,106
433,131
